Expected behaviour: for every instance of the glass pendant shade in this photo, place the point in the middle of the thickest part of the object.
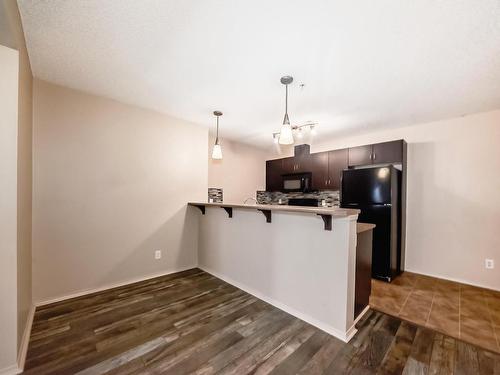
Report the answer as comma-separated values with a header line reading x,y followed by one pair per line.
x,y
286,135
217,152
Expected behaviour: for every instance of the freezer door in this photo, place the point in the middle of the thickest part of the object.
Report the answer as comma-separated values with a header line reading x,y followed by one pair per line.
x,y
366,186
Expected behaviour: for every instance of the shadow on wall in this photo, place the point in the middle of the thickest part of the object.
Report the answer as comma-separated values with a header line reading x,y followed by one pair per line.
x,y
450,229
177,238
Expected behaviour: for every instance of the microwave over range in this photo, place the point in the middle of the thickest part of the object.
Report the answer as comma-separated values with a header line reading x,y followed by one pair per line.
x,y
296,182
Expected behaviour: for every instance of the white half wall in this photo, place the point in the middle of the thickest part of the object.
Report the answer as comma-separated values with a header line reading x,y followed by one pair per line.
x,y
111,184
291,263
453,206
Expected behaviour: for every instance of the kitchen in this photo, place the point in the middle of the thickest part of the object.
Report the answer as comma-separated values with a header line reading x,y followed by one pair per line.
x,y
309,183
249,187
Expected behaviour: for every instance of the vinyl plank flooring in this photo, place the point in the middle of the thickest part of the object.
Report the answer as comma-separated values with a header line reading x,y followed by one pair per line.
x,y
193,323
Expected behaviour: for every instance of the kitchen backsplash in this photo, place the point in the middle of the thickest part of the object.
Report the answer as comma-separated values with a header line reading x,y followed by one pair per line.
x,y
332,197
215,194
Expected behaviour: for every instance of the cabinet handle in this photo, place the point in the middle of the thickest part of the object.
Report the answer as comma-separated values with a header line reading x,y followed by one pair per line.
x,y
329,181
374,156
326,182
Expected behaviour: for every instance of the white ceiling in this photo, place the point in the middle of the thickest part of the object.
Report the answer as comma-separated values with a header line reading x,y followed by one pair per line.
x,y
364,63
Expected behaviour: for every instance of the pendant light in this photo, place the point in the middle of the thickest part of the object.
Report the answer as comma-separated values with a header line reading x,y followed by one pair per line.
x,y
217,150
286,135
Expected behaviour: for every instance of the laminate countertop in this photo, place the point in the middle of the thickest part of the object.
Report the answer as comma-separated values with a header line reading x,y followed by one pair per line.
x,y
363,227
333,211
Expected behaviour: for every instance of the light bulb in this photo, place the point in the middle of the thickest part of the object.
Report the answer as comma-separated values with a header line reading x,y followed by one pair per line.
x,y
217,152
299,134
286,136
313,130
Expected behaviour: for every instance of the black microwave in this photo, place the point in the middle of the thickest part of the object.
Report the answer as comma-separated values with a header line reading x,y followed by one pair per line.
x,y
300,182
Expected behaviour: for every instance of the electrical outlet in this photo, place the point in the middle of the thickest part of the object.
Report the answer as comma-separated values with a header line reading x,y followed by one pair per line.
x,y
489,264
158,254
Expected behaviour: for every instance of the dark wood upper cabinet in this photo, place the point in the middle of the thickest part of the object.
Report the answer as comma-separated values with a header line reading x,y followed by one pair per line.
x,y
378,153
273,174
303,163
338,160
388,152
289,165
361,155
297,164
326,167
319,170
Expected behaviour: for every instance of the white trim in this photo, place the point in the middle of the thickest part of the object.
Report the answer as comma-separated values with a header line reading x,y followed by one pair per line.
x,y
365,310
11,370
344,336
23,348
109,286
457,280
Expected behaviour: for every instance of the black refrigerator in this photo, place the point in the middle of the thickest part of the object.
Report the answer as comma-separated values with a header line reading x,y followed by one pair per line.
x,y
377,193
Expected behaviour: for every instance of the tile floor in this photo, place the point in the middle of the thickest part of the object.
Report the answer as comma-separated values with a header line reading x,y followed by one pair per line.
x,y
462,311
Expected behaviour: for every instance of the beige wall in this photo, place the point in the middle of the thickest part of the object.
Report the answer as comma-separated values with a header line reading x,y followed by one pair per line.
x,y
24,170
111,183
240,173
9,63
453,213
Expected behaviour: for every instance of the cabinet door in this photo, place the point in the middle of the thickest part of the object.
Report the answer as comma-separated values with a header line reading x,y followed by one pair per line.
x,y
273,175
319,169
388,152
337,162
361,155
303,163
289,165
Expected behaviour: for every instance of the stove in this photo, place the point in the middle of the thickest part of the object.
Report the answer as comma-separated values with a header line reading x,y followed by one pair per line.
x,y
310,202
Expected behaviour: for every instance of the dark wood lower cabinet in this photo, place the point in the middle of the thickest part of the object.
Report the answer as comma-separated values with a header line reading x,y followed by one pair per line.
x,y
363,285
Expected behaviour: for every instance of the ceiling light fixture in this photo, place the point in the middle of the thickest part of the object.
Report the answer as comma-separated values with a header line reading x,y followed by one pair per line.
x,y
217,150
299,133
286,135
300,130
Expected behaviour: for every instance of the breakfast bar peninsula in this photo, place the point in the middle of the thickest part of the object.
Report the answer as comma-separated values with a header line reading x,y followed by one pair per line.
x,y
299,259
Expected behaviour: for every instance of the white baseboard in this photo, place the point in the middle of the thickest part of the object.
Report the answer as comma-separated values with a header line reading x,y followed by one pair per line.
x,y
344,336
11,370
109,286
23,348
454,279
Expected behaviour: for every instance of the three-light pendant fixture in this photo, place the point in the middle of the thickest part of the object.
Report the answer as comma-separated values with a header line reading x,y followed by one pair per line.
x,y
285,135
217,150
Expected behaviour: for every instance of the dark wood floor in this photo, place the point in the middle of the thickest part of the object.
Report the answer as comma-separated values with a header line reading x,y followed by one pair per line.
x,y
192,322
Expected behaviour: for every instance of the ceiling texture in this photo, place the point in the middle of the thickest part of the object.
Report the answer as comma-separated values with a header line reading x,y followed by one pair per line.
x,y
364,64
